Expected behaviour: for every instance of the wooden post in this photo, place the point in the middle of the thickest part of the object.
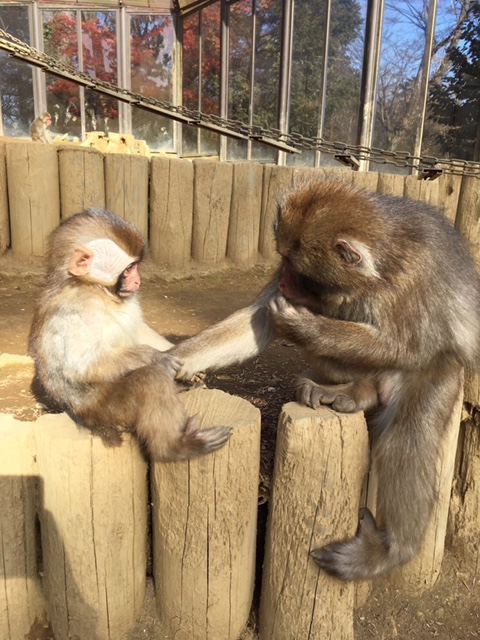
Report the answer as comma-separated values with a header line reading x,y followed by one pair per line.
x,y
464,525
320,462
422,572
93,516
126,188
211,209
276,182
468,223
464,517
391,184
365,180
33,194
301,175
171,211
4,218
204,526
449,192
244,227
82,181
21,599
424,190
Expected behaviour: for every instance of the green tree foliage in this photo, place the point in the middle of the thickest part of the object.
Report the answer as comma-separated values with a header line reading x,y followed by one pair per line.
x,y
454,101
343,72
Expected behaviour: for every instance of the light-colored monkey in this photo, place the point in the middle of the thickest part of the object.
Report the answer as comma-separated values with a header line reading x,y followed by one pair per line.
x,y
39,128
94,354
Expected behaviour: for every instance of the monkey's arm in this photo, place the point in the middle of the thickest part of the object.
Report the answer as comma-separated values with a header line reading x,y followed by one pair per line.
x,y
147,335
354,343
239,337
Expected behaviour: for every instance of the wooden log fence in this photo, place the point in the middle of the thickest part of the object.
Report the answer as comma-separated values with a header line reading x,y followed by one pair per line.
x,y
193,213
80,510
73,527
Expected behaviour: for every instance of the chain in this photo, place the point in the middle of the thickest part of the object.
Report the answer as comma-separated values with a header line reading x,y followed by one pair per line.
x,y
428,167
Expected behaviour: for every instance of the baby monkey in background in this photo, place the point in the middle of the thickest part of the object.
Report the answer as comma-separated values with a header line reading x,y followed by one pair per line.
x,y
95,356
384,298
39,128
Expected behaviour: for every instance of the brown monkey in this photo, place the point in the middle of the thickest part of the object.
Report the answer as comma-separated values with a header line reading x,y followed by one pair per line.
x,y
39,128
384,298
94,354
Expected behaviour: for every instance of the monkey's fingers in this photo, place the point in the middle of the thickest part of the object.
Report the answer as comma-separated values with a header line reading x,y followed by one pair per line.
x,y
315,395
198,442
197,380
279,304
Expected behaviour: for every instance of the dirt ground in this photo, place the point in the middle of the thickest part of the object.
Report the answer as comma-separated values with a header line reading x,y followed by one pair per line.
x,y
180,307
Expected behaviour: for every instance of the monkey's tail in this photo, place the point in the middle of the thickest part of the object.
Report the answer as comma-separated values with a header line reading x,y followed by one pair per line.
x,y
405,455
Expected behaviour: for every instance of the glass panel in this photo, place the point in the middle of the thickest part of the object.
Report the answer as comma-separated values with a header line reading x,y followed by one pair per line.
x,y
210,82
344,64
201,76
307,57
344,72
16,85
152,40
267,73
452,127
398,92
240,55
60,40
99,50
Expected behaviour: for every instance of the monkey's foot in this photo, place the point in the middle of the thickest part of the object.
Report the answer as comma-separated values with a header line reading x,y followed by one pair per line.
x,y
314,395
198,442
360,558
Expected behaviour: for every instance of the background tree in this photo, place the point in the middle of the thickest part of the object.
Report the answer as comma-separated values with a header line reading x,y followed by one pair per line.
x,y
454,101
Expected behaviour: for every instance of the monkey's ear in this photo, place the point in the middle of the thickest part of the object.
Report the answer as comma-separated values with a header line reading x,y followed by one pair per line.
x,y
81,261
348,252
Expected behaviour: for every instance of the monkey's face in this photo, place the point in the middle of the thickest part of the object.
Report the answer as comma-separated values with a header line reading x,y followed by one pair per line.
x,y
128,282
321,237
102,262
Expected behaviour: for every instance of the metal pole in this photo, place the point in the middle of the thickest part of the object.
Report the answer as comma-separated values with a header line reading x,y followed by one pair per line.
x,y
285,72
224,49
425,76
323,84
371,62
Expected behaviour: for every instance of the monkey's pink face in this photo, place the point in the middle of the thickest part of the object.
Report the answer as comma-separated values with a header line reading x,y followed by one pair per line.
x,y
291,284
129,281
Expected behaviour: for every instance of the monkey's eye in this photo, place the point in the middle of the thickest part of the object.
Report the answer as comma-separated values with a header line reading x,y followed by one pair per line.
x,y
130,268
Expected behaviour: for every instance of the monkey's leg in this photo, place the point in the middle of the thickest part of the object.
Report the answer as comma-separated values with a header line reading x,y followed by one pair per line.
x,y
360,395
405,453
146,401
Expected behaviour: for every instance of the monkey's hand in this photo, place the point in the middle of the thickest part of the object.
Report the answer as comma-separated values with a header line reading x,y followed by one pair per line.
x,y
289,320
170,363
